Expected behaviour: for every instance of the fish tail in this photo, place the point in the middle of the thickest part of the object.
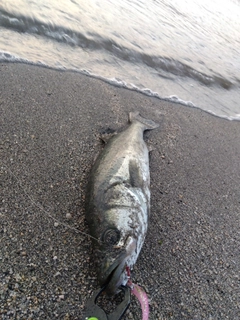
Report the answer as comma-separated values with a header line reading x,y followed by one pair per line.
x,y
148,124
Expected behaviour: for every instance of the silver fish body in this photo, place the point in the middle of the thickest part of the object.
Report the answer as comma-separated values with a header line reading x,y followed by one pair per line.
x,y
118,202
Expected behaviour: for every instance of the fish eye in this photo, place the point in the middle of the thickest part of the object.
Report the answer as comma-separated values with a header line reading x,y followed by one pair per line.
x,y
111,236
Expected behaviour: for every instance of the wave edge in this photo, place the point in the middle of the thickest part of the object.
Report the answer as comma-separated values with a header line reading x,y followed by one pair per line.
x,y
166,67
9,58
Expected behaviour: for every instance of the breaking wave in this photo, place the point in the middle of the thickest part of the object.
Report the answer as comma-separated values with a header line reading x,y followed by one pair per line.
x,y
54,36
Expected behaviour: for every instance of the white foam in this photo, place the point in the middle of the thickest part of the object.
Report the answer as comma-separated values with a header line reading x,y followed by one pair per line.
x,y
146,91
8,57
172,98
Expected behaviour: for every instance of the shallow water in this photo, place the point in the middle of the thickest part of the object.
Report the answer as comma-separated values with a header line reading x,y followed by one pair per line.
x,y
185,51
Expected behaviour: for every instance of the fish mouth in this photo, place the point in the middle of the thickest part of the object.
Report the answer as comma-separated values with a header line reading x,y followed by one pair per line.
x,y
112,278
113,275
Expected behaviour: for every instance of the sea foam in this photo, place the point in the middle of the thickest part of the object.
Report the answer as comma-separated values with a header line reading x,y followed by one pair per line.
x,y
8,57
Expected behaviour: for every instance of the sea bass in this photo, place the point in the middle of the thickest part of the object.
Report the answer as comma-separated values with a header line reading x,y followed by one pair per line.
x,y
118,202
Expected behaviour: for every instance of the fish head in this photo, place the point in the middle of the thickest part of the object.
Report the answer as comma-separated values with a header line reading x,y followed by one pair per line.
x,y
117,252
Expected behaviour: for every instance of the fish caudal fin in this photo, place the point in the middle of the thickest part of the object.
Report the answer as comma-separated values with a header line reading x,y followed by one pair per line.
x,y
148,124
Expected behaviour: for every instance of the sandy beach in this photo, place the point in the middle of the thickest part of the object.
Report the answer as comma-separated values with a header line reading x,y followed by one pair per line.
x,y
50,126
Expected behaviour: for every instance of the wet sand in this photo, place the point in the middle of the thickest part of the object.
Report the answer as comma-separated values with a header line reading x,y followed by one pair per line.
x,y
50,126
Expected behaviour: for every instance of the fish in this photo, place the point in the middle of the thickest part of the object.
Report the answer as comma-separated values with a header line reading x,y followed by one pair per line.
x,y
118,203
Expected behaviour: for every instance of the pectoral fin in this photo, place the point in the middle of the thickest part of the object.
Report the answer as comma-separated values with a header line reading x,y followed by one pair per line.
x,y
136,180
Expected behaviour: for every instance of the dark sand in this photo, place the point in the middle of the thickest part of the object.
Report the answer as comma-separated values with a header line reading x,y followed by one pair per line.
x,y
50,125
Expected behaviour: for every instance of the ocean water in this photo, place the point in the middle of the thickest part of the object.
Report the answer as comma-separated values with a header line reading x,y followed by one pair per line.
x,y
185,51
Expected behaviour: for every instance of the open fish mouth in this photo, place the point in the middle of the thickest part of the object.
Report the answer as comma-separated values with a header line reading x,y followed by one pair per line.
x,y
113,274
113,277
